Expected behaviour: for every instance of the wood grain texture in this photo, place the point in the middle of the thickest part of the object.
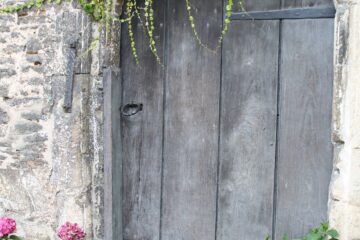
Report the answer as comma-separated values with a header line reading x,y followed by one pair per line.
x,y
258,5
248,130
191,124
307,3
305,149
181,180
142,134
112,155
289,13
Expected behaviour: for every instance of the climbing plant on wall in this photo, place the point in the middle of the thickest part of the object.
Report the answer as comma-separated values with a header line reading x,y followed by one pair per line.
x,y
101,11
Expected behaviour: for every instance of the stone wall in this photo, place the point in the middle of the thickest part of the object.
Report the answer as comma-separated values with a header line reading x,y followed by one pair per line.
x,y
51,161
345,188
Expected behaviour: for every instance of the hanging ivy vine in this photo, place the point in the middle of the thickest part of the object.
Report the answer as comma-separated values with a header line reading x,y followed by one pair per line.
x,y
100,11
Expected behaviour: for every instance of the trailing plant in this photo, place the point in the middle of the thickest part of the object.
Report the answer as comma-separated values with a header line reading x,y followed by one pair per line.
x,y
228,11
101,12
323,232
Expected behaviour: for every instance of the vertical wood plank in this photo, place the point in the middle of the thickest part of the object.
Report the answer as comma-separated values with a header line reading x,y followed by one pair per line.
x,y
142,133
304,148
191,124
307,3
248,130
112,155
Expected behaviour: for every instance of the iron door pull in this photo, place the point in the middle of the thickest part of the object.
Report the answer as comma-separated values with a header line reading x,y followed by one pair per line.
x,y
131,109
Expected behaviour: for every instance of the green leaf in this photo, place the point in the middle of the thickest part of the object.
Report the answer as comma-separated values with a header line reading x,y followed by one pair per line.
x,y
285,237
333,233
13,237
89,8
314,236
324,227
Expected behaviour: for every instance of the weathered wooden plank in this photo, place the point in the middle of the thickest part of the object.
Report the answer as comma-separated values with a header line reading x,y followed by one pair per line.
x,y
292,13
112,155
307,3
304,148
191,124
142,133
257,5
248,130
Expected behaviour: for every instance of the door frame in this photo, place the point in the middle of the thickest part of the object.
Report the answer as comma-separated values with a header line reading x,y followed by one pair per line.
x,y
112,215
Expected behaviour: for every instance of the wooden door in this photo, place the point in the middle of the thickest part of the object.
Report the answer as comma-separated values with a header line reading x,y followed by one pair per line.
x,y
233,145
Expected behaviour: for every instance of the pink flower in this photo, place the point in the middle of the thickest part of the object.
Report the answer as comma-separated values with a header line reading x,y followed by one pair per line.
x,y
70,231
7,226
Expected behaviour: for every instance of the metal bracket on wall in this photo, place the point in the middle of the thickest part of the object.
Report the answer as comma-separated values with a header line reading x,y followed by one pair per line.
x,y
291,13
70,64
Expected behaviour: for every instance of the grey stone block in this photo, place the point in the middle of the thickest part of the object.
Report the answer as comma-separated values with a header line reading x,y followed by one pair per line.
x,y
4,29
37,137
4,117
4,90
31,116
36,81
22,101
27,128
33,46
5,72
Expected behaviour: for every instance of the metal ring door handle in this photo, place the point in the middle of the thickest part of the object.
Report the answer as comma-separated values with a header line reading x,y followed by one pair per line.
x,y
131,109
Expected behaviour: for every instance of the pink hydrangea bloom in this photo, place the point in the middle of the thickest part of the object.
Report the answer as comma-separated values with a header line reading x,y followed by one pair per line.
x,y
7,226
70,231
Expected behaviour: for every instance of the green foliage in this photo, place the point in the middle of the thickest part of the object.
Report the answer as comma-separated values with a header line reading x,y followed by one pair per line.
x,y
285,237
11,237
130,8
321,233
150,28
95,8
26,5
100,11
